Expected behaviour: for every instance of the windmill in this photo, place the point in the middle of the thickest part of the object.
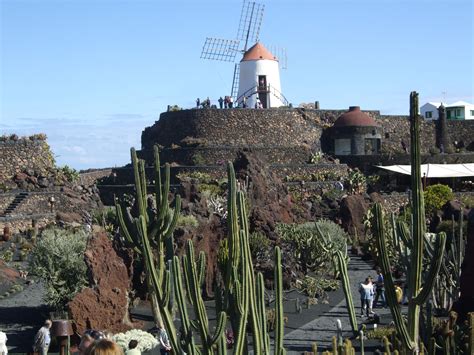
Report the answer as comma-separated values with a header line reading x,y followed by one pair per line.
x,y
248,31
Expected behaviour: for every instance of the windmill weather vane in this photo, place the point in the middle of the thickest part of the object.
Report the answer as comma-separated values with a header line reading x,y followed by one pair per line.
x,y
226,50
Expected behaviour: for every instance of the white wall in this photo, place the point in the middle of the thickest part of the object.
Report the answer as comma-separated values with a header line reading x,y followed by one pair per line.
x,y
249,72
429,107
467,112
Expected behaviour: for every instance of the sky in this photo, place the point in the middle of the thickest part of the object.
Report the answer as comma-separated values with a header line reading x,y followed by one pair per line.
x,y
92,74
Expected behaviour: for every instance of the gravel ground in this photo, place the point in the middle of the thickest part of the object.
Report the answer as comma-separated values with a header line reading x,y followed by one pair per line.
x,y
323,328
21,315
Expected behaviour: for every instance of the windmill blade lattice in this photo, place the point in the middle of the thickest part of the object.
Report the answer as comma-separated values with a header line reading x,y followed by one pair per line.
x,y
250,22
220,49
280,53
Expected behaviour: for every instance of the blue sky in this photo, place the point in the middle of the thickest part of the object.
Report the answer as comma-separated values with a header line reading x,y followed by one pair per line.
x,y
93,74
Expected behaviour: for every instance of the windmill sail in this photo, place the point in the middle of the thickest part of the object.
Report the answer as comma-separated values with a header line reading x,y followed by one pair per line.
x,y
250,21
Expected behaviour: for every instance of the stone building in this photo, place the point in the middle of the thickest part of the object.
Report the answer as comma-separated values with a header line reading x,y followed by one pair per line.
x,y
355,133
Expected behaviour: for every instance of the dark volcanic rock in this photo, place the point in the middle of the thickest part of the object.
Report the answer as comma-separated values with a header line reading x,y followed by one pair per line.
x,y
105,304
353,209
206,236
268,197
453,208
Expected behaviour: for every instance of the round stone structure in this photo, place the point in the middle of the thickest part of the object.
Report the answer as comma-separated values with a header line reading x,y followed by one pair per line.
x,y
355,133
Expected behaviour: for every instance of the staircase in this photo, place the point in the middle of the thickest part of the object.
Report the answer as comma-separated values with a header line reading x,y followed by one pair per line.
x,y
19,198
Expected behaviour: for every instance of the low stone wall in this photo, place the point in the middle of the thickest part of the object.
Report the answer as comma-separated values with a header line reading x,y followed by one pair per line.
x,y
18,155
89,178
23,223
35,206
221,154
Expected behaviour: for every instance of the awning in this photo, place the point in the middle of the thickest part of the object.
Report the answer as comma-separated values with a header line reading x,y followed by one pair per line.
x,y
435,170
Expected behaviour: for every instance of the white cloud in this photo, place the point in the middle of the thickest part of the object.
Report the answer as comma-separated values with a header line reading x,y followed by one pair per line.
x,y
83,144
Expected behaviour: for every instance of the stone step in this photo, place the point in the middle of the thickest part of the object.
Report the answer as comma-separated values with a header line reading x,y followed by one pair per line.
x,y
19,198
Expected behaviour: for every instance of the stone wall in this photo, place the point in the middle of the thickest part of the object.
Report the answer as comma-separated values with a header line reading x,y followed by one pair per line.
x,y
462,132
21,154
211,135
89,178
397,129
218,155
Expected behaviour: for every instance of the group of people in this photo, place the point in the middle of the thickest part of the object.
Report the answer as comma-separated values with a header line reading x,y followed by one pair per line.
x,y
226,102
371,292
94,342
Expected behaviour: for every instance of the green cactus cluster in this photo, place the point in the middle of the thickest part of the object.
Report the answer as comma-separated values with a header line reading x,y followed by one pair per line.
x,y
241,295
420,281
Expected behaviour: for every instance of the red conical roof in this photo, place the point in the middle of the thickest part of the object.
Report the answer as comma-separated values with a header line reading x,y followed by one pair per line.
x,y
354,117
258,52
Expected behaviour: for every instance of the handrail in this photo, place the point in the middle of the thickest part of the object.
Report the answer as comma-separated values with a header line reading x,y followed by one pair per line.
x,y
255,90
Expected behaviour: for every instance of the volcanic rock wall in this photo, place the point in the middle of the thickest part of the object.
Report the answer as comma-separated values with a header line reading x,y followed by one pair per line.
x,y
18,155
196,137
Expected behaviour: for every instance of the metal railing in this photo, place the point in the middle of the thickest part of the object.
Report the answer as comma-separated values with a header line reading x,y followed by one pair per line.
x,y
258,89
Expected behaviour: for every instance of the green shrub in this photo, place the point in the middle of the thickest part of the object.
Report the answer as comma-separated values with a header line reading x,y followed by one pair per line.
x,y
70,174
187,221
304,241
58,259
7,256
436,196
106,218
467,200
259,245
316,286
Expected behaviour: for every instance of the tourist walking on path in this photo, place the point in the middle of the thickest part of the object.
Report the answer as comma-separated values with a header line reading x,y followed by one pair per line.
x,y
380,289
198,102
43,339
231,102
221,101
366,291
165,346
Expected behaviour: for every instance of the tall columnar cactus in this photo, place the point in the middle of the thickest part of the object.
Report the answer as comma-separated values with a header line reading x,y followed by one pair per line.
x,y
194,279
279,324
243,292
150,233
152,228
409,330
342,267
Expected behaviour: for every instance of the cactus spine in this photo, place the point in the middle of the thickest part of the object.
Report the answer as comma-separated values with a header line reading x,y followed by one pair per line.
x,y
409,331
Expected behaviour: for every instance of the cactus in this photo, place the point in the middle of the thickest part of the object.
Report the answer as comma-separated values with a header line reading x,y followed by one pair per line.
x,y
243,293
279,327
342,267
409,330
150,234
208,342
152,229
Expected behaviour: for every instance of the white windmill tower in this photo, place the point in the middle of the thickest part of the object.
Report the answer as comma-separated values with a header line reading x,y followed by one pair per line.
x,y
260,78
257,75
